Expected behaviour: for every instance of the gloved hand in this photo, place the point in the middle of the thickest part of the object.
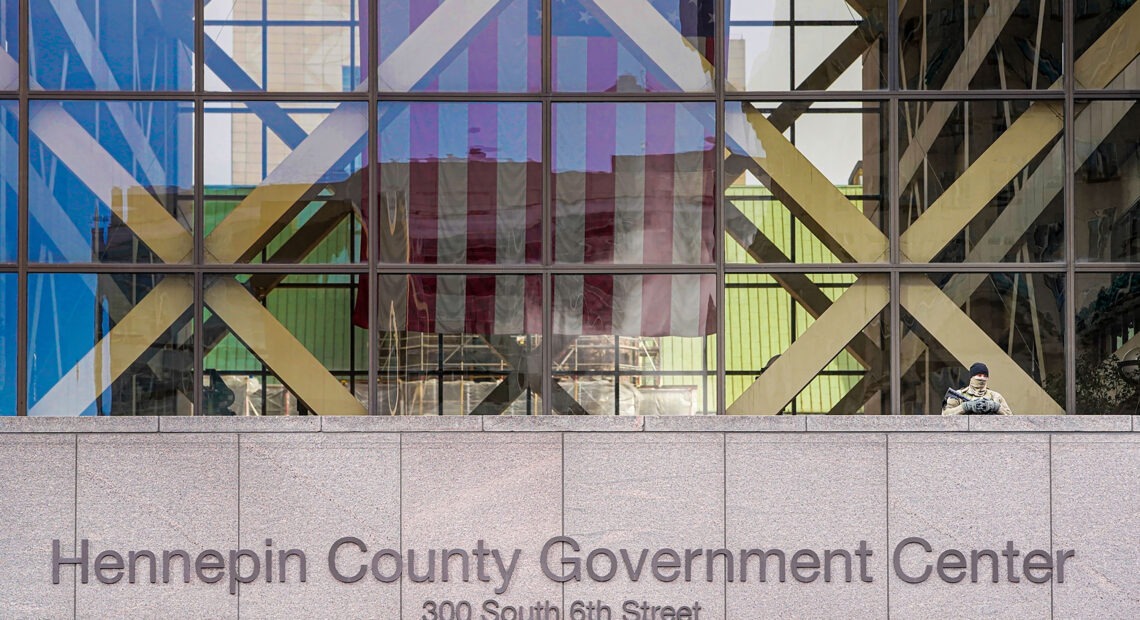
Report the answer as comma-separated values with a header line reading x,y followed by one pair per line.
x,y
983,406
987,406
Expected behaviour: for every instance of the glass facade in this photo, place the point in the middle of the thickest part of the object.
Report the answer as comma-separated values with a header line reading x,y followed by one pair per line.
x,y
603,207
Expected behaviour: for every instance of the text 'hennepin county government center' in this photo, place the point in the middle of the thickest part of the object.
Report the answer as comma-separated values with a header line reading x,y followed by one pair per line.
x,y
692,221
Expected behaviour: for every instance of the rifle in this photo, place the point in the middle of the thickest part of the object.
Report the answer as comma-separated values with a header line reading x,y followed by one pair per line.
x,y
977,405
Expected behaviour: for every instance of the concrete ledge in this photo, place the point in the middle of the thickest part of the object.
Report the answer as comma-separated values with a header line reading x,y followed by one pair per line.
x,y
886,423
1051,423
400,423
239,424
86,424
558,423
572,424
727,423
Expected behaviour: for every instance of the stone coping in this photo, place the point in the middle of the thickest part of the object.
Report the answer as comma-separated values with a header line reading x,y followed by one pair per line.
x,y
583,424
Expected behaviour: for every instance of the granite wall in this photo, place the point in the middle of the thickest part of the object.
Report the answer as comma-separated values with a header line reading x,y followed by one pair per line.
x,y
817,484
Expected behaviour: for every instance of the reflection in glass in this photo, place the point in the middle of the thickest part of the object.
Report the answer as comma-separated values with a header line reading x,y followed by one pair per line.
x,y
460,183
284,344
9,44
1108,343
805,182
830,45
8,350
283,182
981,181
954,45
112,45
1012,322
636,344
110,181
493,47
633,183
662,46
1106,23
110,344
9,179
1107,182
840,367
284,45
460,344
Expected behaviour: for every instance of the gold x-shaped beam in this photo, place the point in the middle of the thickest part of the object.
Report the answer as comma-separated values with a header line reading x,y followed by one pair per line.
x,y
789,173
250,224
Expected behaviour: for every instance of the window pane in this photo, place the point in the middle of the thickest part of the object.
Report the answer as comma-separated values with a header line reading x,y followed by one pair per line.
x,y
8,350
1107,182
1012,322
9,178
9,44
111,181
1108,343
114,45
283,182
460,344
779,361
828,46
1098,30
284,345
110,344
954,45
283,45
460,183
805,183
636,344
491,47
633,183
981,181
633,45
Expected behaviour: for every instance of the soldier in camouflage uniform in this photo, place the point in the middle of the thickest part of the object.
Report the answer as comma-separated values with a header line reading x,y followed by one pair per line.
x,y
975,398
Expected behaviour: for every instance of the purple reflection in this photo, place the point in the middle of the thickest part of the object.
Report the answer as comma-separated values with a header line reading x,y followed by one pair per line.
x,y
593,52
500,53
461,183
633,183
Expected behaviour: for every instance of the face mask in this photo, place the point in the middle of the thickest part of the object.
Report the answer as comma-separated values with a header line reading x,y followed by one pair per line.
x,y
978,383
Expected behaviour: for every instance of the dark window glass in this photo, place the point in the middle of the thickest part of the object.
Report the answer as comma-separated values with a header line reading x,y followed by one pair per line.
x,y
1108,343
1107,181
954,45
1012,322
981,181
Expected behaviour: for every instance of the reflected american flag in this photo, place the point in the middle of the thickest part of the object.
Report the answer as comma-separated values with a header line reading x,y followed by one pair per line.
x,y
461,184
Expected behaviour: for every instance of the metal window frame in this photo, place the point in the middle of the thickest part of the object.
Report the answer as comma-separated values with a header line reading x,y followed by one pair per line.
x,y
891,98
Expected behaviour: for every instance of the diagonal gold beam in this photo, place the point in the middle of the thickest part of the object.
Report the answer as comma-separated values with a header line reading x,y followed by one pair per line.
x,y
812,351
984,37
1093,123
946,322
87,159
1018,145
817,203
253,220
125,343
275,346
799,286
